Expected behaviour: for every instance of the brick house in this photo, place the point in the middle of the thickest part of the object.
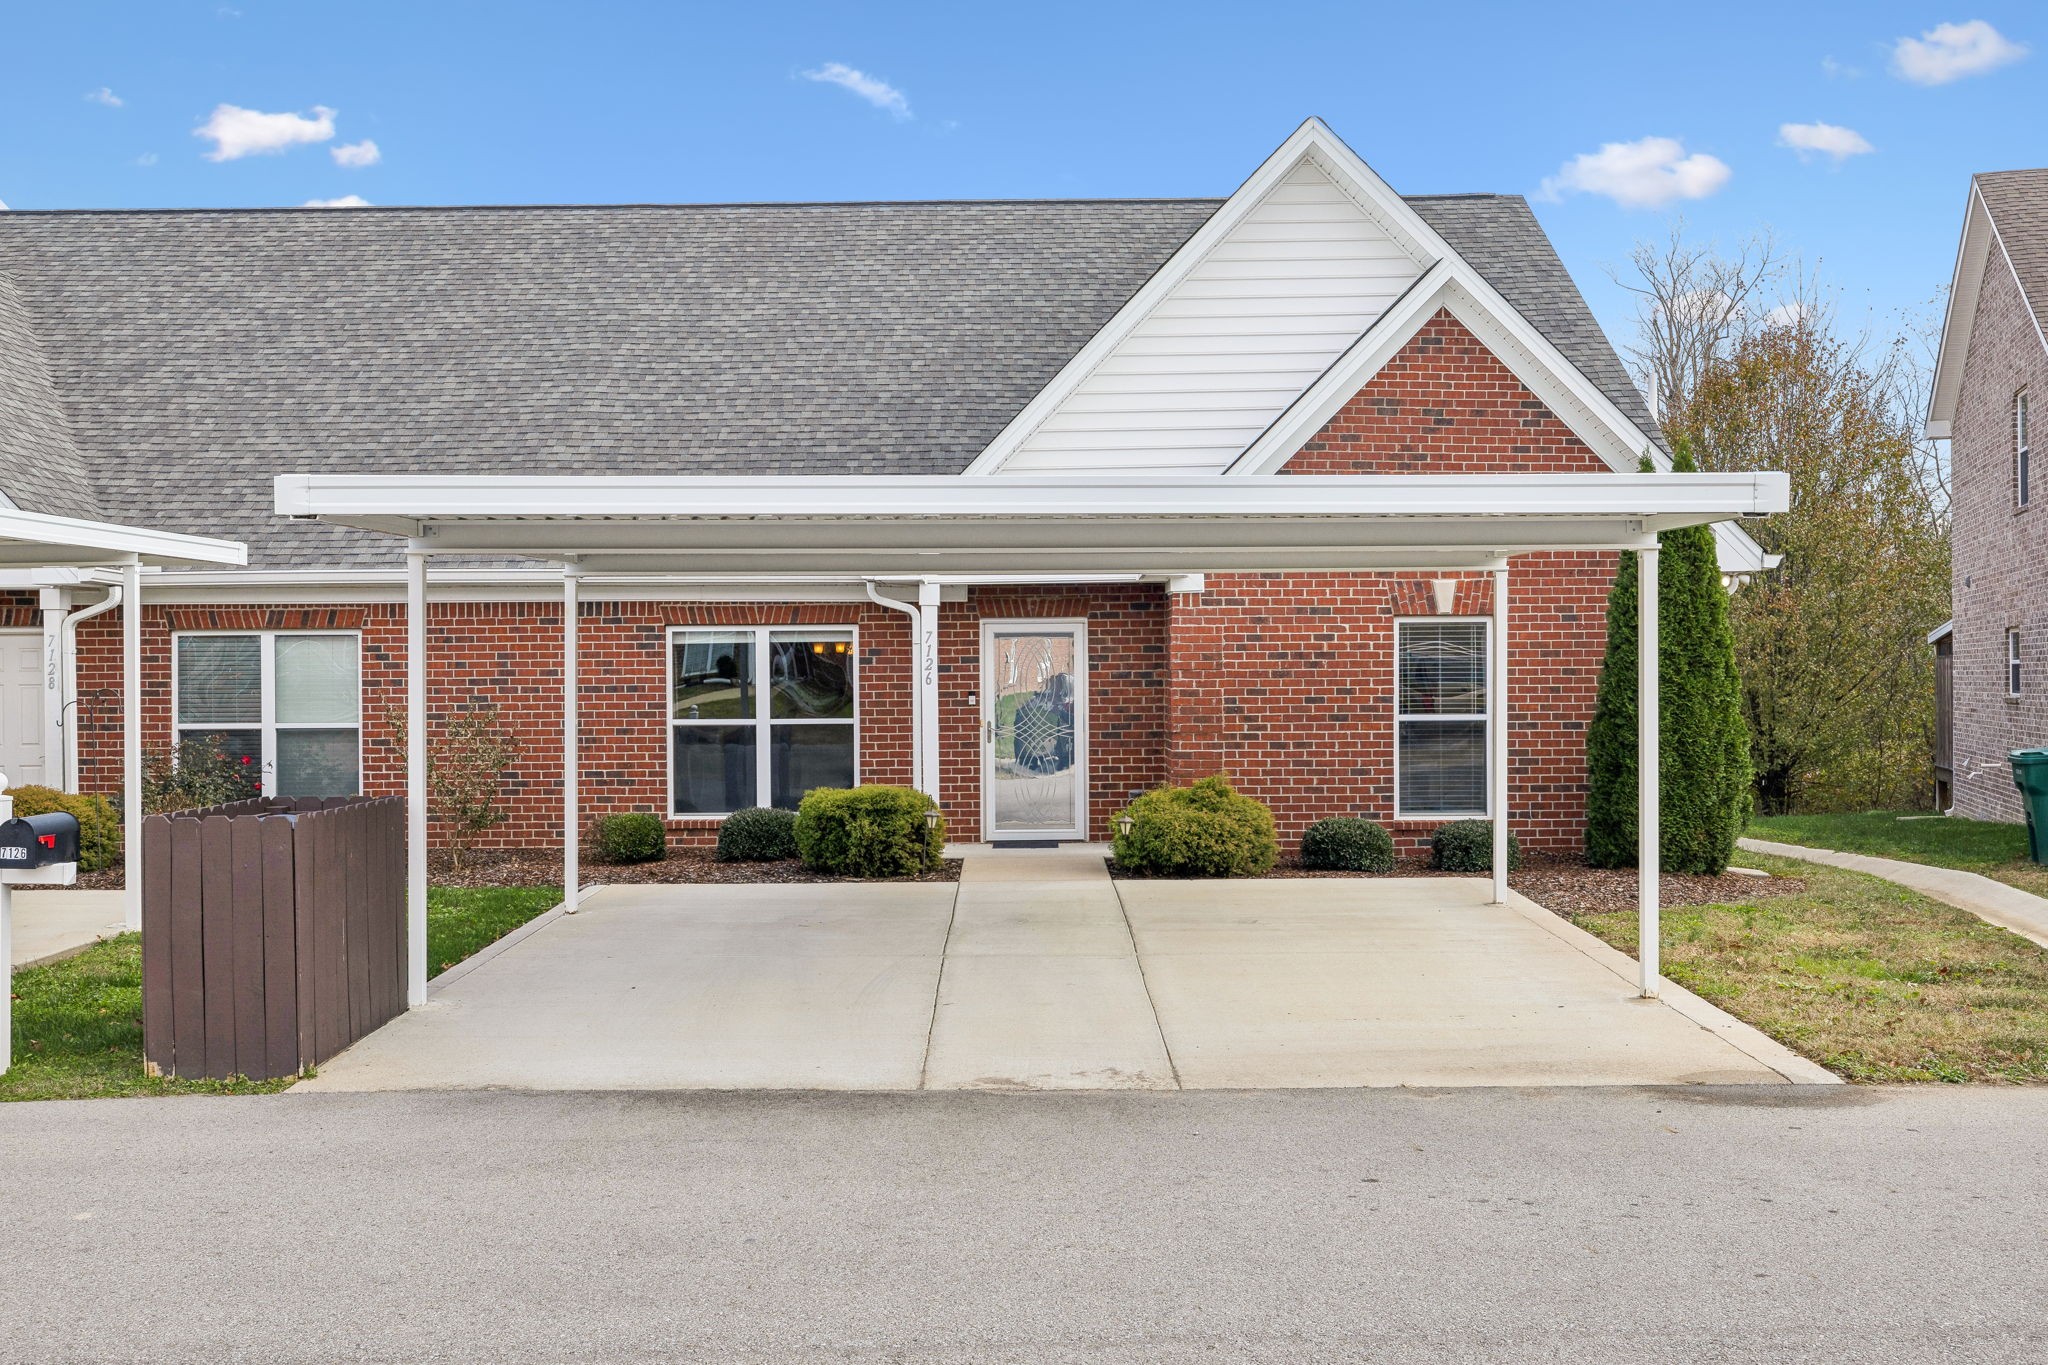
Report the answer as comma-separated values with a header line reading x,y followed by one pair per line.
x,y
162,368
1991,383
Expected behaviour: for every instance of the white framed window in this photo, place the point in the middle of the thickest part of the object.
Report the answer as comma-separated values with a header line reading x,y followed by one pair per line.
x,y
2012,663
1440,717
759,715
2022,452
285,704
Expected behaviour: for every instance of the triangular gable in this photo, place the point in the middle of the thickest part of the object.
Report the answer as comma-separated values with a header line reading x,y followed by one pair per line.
x,y
1159,390
1444,404
1518,346
1974,255
1260,300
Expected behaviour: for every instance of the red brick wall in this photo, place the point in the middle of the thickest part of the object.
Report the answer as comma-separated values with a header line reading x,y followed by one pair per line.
x,y
1286,683
508,655
1126,692
1445,405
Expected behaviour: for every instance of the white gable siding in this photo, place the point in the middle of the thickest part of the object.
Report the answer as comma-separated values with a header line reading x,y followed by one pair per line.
x,y
1232,345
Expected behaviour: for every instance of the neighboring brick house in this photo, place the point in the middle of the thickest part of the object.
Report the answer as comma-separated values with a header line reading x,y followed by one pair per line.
x,y
1990,397
161,367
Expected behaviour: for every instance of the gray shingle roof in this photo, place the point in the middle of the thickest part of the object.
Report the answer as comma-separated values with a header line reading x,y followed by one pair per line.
x,y
40,467
198,354
2018,201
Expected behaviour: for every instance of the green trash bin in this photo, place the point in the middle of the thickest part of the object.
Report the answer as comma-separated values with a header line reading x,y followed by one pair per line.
x,y
2030,775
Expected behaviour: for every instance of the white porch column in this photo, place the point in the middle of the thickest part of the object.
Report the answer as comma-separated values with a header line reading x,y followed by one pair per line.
x,y
1647,773
55,604
131,742
572,812
415,778
1497,761
928,688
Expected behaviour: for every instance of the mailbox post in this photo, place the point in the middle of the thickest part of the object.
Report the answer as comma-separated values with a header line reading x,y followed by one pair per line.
x,y
40,850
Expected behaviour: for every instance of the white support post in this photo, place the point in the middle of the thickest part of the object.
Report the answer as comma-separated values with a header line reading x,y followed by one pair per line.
x,y
1648,775
572,814
56,605
1497,761
928,688
415,778
131,741
6,976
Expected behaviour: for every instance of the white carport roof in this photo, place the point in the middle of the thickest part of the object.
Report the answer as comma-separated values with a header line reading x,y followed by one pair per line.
x,y
36,540
897,526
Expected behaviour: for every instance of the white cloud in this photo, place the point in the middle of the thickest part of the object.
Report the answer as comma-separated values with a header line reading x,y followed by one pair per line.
x,y
237,132
1839,70
104,96
347,201
356,155
1645,174
1949,52
1785,315
873,89
1823,139
146,159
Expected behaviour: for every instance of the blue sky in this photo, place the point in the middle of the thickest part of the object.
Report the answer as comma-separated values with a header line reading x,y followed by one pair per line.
x,y
608,101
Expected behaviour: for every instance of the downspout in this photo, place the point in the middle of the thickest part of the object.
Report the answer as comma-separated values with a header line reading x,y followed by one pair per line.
x,y
67,701
916,693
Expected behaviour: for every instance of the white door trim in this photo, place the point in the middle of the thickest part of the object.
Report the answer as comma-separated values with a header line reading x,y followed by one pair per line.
x,y
41,734
1049,625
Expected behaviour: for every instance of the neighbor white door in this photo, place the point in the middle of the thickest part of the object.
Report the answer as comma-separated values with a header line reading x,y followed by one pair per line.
x,y
1034,730
21,706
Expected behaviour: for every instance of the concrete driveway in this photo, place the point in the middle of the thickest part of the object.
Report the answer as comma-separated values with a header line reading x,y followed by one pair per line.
x,y
1036,972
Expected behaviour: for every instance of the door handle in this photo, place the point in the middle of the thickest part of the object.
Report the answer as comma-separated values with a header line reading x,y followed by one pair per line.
x,y
988,732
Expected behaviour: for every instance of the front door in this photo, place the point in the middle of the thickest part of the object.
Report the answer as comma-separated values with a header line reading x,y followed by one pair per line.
x,y
21,706
1034,727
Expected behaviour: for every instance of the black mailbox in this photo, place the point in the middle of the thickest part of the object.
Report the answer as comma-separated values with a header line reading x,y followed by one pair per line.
x,y
38,840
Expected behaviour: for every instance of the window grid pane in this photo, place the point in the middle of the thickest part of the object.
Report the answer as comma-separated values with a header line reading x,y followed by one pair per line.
x,y
810,675
1443,767
714,676
220,679
316,679
1442,668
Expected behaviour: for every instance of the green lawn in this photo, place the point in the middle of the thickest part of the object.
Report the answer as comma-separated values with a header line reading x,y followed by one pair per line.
x,y
462,919
1871,980
1980,846
78,1022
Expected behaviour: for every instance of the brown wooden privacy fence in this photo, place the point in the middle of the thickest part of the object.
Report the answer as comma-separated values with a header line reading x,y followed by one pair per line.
x,y
273,932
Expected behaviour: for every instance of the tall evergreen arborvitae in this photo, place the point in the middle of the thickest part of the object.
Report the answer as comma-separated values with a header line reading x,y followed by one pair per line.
x,y
1703,741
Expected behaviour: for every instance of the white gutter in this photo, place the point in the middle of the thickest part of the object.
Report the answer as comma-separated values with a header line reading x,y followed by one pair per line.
x,y
67,700
916,694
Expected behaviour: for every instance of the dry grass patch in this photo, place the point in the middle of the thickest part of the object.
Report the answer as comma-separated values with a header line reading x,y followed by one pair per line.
x,y
1871,980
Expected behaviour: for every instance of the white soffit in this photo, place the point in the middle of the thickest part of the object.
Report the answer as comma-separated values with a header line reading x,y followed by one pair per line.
x,y
38,540
1251,309
932,525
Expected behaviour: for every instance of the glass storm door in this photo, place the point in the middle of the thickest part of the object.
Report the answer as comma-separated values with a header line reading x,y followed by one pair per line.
x,y
1034,770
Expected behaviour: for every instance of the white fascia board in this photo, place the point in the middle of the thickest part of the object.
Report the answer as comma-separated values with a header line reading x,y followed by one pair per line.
x,y
517,507
38,539
1966,282
1313,139
1946,628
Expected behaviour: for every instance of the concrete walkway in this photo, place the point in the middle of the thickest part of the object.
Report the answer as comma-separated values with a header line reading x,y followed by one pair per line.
x,y
1037,972
53,924
1994,902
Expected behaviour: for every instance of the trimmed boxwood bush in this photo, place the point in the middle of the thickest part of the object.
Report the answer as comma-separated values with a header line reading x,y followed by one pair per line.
x,y
1467,846
1347,844
632,837
99,824
869,831
1206,830
757,834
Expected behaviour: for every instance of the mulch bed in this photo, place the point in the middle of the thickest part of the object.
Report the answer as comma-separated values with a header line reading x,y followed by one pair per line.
x,y
1572,888
683,866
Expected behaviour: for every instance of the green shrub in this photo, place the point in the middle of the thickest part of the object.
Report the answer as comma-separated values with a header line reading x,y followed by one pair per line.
x,y
1467,846
869,831
1347,845
196,774
1702,737
1206,830
757,834
631,837
99,824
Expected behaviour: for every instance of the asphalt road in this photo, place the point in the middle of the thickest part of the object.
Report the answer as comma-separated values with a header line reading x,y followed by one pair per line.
x,y
1779,1225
